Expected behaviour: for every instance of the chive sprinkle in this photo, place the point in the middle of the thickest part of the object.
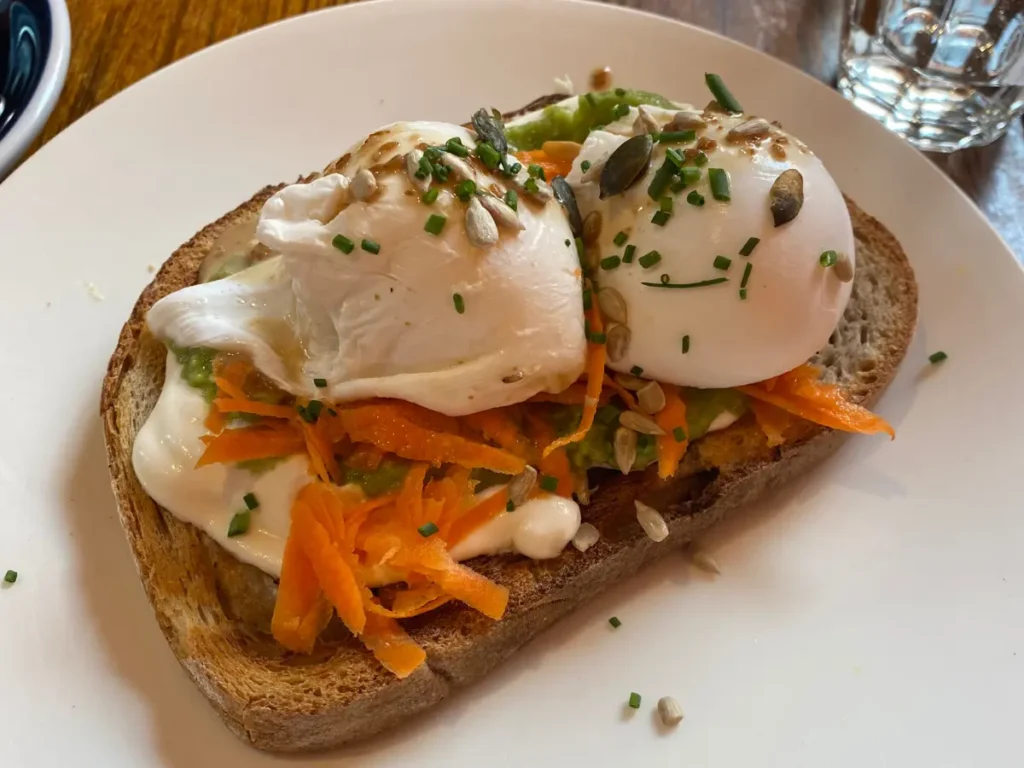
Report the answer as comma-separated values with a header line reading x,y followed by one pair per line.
x,y
679,434
239,524
512,200
428,529
634,701
719,181
746,274
676,137
510,506
649,259
465,189
614,621
690,175
435,223
430,196
627,255
610,262
588,299
676,157
590,99
749,246
488,155
515,168
10,577
320,383
549,483
660,218
700,159
721,262
666,278
585,166
312,411
456,147
370,246
743,294
636,370
686,344
459,302
661,180
535,171
620,239
721,93
568,242
828,258
579,248
699,284
531,186
598,338
343,244
251,502
666,204
620,111
937,357
695,198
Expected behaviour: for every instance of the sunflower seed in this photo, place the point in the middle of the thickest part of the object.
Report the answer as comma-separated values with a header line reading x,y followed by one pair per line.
x,y
561,150
626,165
592,227
412,166
645,122
625,449
786,196
512,378
586,537
502,213
685,121
704,561
521,486
617,338
567,198
628,380
651,397
543,191
612,305
582,488
489,128
364,185
640,423
593,173
651,521
459,167
755,128
480,226
669,711
843,268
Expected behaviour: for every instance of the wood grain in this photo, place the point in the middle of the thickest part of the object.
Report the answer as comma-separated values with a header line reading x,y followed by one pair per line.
x,y
117,42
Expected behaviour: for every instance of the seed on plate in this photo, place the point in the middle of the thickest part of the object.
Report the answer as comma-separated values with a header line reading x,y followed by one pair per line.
x,y
704,561
512,378
626,165
593,173
460,169
581,488
412,167
592,227
363,185
612,305
843,268
629,381
625,449
755,128
502,212
645,122
651,521
521,486
640,423
480,226
669,711
686,121
561,150
567,199
586,537
618,337
786,196
651,397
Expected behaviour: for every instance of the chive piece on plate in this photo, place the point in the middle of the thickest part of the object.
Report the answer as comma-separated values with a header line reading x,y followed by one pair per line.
x,y
343,244
614,621
465,189
719,181
459,302
695,198
686,344
676,137
620,239
679,434
610,262
370,246
660,218
828,258
510,506
10,577
251,502
749,246
722,262
634,701
721,93
512,200
435,223
428,529
549,483
430,196
698,284
636,370
746,274
627,255
649,259
937,357
320,383
239,524
585,166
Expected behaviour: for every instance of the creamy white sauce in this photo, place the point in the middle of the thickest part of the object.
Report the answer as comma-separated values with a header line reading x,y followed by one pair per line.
x,y
722,420
539,529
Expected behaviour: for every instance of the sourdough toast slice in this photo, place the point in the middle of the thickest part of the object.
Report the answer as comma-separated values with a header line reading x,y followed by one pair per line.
x,y
214,610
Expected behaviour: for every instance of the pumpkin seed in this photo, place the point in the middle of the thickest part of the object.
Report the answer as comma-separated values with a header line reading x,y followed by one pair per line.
x,y
629,381
626,165
625,449
512,378
567,198
592,227
685,121
561,150
843,268
612,305
586,537
640,423
459,167
412,166
502,212
489,128
364,185
669,711
755,128
618,338
651,521
594,171
645,122
786,196
651,397
480,226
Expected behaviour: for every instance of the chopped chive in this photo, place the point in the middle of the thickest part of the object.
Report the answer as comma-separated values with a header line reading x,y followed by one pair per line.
x,y
679,434
510,506
459,302
677,186
660,218
749,246
425,169
588,299
700,160
614,621
435,223
649,259
320,383
721,262
332,412
428,529
937,357
719,181
515,168
430,196
634,701
598,338
686,344
10,577
676,157
568,242
620,111
721,93
666,204
370,246
661,180
488,155
465,189
343,244
695,198
239,524
456,147
743,294
620,239
535,171
690,175
251,501
549,483
676,137
699,284
512,200
580,248
313,408
585,166
441,172
828,258
610,262
627,255
531,186
666,279
746,274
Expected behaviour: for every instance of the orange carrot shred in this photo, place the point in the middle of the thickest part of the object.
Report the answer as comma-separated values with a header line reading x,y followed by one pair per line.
x,y
410,498
484,511
772,420
250,443
552,166
432,559
392,646
255,407
670,418
621,391
498,426
301,612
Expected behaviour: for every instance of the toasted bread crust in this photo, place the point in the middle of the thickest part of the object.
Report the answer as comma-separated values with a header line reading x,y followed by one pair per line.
x,y
213,609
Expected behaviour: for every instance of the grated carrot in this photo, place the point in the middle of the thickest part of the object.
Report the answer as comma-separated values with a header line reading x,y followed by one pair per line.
x,y
392,646
486,510
432,559
552,166
301,612
626,396
255,407
410,498
670,418
498,426
772,420
249,443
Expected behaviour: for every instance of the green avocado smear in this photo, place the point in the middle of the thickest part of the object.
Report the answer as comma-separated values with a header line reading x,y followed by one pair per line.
x,y
568,122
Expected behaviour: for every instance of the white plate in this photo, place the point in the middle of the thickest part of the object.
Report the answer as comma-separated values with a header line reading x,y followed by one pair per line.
x,y
871,614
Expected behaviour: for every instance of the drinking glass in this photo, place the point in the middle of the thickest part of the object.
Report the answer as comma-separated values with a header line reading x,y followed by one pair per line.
x,y
943,74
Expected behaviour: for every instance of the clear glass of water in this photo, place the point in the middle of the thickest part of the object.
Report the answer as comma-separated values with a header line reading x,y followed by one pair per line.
x,y
943,74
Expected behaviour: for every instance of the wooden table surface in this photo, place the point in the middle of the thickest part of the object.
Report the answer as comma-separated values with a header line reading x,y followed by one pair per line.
x,y
117,42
